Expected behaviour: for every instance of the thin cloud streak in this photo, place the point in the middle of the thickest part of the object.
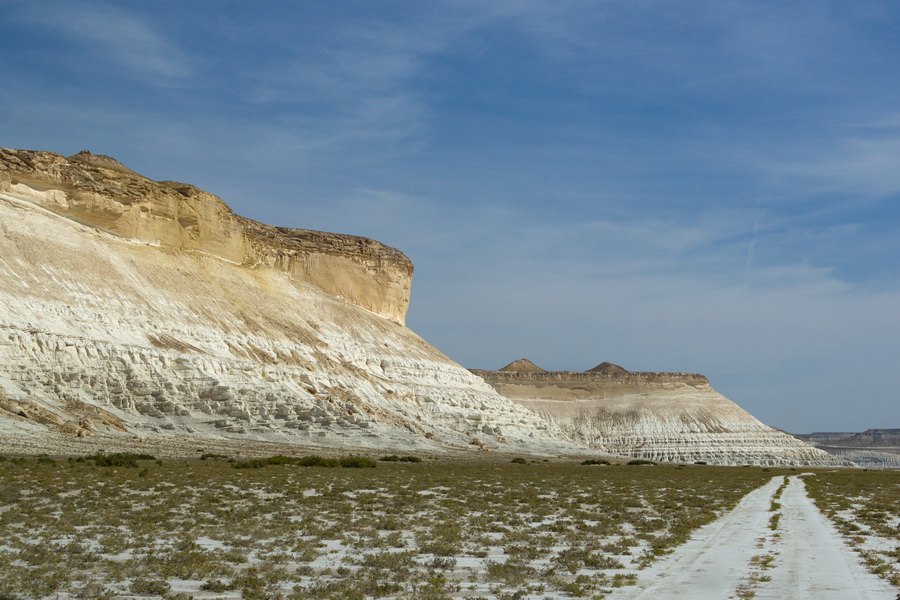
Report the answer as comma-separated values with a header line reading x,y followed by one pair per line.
x,y
708,186
114,35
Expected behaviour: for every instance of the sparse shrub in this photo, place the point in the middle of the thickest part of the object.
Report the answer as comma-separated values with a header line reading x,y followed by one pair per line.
x,y
119,459
518,461
596,461
93,591
357,462
395,458
217,586
317,461
640,461
306,461
210,455
150,587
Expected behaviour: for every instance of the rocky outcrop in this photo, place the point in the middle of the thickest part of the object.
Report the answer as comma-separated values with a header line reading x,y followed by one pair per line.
x,y
523,364
130,307
99,192
656,416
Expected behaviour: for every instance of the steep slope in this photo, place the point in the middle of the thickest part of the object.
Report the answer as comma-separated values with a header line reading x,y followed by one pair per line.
x,y
657,416
130,306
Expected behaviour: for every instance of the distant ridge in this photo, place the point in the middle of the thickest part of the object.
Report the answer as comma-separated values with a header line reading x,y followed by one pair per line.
x,y
523,364
607,367
675,417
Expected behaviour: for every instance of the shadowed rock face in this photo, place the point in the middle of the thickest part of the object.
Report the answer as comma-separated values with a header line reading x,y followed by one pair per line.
x,y
134,307
656,416
99,192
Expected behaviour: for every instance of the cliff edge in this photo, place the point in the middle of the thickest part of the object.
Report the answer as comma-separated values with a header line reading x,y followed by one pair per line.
x,y
658,416
135,309
98,191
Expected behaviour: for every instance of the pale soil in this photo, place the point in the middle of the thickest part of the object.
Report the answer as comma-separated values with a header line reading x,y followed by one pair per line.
x,y
740,556
182,447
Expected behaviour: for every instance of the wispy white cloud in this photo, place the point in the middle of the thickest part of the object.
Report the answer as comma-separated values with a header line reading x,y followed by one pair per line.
x,y
858,165
112,34
669,186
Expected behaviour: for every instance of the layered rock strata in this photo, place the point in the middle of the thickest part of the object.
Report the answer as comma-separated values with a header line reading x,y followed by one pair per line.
x,y
656,416
99,192
134,307
872,448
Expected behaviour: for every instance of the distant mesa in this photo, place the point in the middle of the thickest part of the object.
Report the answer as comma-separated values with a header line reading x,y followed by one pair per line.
x,y
607,367
523,364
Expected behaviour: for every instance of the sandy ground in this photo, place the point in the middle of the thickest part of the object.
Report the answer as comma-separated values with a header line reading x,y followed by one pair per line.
x,y
808,558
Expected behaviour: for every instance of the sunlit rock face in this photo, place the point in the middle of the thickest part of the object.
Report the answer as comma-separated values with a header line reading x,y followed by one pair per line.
x,y
656,416
99,192
130,306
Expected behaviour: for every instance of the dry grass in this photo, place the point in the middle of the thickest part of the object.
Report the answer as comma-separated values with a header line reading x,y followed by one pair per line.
x,y
204,529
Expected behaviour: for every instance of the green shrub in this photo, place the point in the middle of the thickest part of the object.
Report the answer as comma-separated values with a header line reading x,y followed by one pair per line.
x,y
395,458
518,461
306,461
317,461
640,461
150,587
119,459
596,461
210,455
357,462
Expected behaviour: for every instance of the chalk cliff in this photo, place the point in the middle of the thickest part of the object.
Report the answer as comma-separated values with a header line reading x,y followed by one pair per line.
x,y
138,308
98,191
135,307
656,416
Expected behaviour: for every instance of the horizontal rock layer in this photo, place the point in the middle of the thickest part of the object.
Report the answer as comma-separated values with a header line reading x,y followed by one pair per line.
x,y
870,438
135,307
657,416
183,319
99,192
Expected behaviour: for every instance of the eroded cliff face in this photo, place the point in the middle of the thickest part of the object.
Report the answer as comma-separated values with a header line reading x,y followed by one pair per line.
x,y
656,416
130,307
98,191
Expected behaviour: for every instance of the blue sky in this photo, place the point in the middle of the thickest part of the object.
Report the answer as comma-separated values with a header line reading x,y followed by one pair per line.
x,y
704,186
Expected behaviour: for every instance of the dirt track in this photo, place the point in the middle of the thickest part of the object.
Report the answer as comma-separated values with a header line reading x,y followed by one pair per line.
x,y
740,556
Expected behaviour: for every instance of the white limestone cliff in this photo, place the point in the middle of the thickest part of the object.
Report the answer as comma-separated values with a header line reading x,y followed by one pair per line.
x,y
655,416
119,320
140,309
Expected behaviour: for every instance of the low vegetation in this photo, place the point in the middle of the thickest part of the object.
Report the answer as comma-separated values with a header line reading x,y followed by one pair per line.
x,y
217,528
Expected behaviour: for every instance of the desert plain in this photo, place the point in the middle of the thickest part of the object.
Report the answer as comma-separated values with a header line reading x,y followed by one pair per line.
x,y
404,526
